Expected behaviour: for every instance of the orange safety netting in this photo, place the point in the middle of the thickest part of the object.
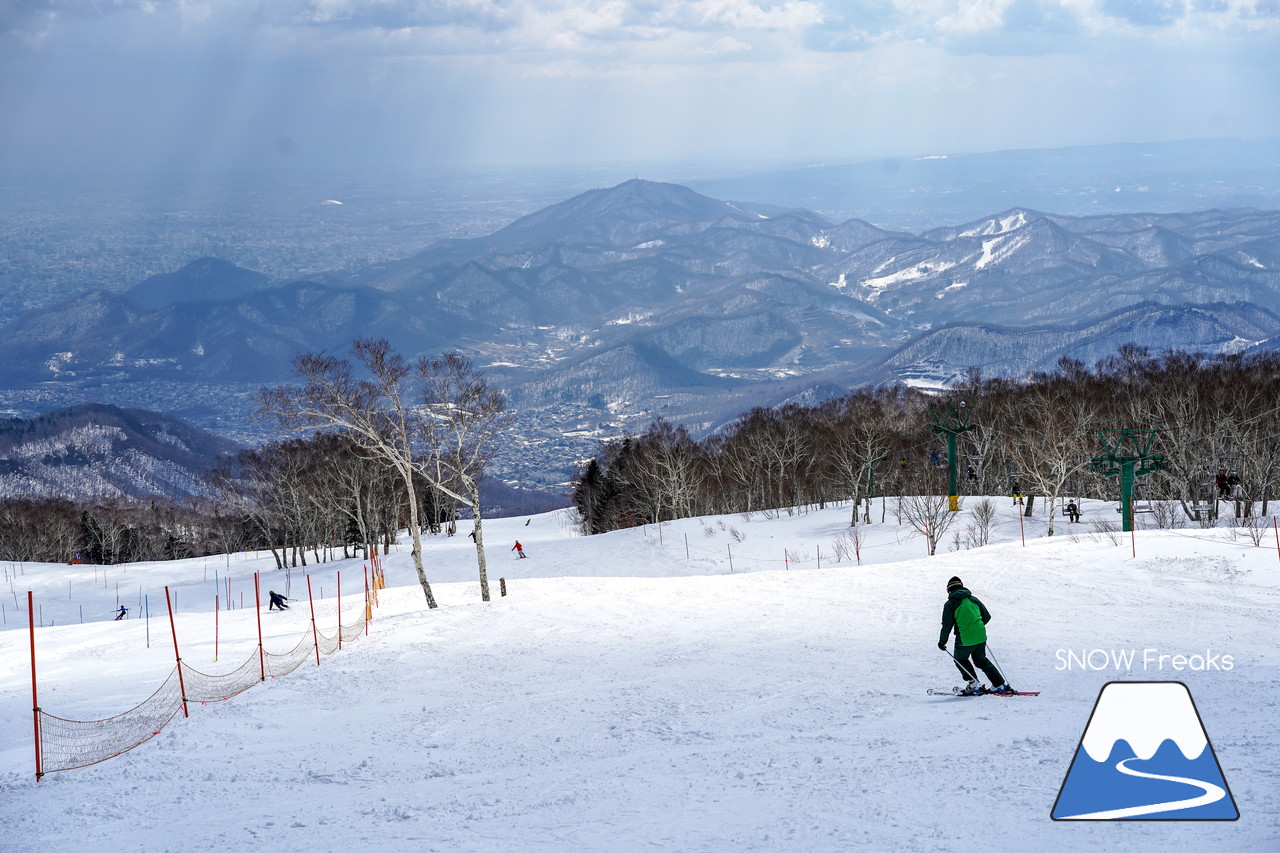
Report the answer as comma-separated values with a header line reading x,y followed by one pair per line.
x,y
67,744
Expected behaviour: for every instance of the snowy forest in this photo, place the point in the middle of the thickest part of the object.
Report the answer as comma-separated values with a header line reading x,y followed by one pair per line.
x,y
1036,437
324,494
405,447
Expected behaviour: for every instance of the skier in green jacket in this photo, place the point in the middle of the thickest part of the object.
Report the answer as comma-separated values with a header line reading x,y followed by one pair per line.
x,y
965,615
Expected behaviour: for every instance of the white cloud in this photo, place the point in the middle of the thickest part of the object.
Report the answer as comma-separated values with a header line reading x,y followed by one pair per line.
x,y
725,45
974,16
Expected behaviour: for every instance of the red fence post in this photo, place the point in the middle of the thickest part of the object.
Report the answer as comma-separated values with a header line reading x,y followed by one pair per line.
x,y
314,637
182,687
257,608
367,609
1275,526
35,701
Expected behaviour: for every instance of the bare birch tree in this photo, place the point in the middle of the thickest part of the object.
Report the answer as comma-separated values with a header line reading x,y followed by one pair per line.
x,y
377,413
929,515
463,415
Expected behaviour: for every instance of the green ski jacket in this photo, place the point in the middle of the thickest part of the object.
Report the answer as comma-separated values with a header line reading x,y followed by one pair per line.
x,y
966,615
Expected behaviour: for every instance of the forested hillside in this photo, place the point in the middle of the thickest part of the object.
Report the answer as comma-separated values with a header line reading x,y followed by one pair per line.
x,y
1036,437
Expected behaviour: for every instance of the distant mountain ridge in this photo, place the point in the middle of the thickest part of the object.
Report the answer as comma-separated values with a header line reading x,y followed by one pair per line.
x,y
647,299
202,280
917,192
96,451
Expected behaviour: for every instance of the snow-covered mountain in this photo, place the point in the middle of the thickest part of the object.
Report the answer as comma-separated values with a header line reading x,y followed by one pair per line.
x,y
610,308
95,451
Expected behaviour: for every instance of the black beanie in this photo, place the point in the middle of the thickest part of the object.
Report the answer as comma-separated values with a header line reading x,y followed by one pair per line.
x,y
954,584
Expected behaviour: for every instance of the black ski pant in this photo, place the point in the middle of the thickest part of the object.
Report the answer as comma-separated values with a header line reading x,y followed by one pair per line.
x,y
978,653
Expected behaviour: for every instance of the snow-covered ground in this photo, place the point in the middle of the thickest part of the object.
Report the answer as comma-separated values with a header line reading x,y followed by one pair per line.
x,y
626,697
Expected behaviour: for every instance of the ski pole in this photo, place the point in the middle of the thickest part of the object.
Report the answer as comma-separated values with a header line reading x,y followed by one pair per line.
x,y
960,666
968,669
996,661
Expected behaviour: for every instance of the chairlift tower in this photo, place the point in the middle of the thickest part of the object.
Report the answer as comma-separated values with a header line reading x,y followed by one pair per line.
x,y
950,422
1129,455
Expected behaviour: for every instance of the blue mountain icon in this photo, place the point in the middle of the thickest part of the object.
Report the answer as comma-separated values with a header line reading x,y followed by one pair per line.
x,y
1145,755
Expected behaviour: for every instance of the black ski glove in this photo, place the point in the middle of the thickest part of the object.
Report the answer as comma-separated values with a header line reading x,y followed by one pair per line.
x,y
943,645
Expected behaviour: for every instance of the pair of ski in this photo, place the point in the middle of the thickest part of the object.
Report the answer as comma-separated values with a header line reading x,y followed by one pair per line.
x,y
958,691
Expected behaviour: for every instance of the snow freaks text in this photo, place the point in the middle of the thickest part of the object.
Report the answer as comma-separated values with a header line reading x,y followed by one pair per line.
x,y
1147,660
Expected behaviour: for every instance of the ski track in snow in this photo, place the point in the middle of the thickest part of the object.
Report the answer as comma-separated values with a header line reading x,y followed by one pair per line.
x,y
625,698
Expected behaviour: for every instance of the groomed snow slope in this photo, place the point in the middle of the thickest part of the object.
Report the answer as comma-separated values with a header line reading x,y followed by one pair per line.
x,y
625,698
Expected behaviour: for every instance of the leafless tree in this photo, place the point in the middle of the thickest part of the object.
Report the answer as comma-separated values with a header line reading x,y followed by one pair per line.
x,y
978,531
463,416
1049,432
378,413
929,515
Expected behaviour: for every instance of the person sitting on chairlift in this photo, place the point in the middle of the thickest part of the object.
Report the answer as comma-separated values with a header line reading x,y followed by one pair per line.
x,y
1237,490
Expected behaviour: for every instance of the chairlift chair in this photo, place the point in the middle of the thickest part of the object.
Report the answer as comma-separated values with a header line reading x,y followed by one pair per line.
x,y
1206,499
1141,499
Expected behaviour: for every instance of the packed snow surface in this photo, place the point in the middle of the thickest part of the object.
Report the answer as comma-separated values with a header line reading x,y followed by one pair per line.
x,y
914,272
998,249
633,692
998,225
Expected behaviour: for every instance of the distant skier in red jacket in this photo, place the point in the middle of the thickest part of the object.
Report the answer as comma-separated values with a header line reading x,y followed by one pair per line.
x,y
518,548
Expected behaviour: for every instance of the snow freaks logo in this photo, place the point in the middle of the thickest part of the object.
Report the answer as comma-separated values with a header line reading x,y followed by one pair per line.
x,y
1144,755
1146,660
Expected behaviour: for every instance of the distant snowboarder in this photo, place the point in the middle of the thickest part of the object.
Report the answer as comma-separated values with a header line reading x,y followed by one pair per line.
x,y
518,548
967,617
1073,512
277,600
120,615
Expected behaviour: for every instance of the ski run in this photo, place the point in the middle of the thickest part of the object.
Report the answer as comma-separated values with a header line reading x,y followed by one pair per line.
x,y
633,693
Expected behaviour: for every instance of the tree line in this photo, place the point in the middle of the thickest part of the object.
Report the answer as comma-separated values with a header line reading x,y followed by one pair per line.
x,y
304,500
1036,436
383,444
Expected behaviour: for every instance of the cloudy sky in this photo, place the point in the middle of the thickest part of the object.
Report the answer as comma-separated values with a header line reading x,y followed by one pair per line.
x,y
422,83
